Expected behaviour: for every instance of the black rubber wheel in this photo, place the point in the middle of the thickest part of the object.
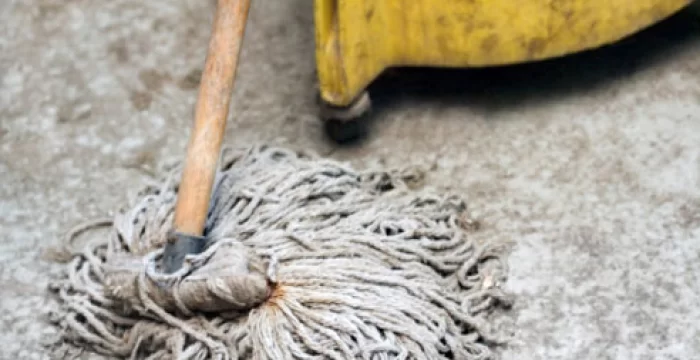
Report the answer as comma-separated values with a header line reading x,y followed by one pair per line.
x,y
344,131
346,124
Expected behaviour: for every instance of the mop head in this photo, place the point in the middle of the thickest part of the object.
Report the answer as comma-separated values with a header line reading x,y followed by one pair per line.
x,y
308,259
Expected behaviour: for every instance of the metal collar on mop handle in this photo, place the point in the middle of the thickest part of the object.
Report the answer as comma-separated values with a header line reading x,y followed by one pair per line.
x,y
180,245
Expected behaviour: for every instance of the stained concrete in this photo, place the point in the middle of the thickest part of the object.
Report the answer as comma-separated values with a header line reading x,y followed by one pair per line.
x,y
589,165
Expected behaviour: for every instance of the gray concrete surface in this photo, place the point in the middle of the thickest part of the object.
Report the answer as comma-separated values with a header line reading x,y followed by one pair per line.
x,y
590,165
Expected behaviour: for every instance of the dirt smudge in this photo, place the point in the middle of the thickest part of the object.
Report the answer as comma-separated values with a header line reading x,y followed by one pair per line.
x,y
141,100
119,50
191,80
154,80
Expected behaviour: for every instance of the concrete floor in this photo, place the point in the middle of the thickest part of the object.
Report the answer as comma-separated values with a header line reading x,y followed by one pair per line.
x,y
590,165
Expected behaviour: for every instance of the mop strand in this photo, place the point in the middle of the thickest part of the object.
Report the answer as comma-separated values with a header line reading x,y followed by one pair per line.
x,y
307,259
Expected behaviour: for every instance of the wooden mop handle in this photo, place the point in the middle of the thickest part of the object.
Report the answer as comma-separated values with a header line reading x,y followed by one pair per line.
x,y
211,113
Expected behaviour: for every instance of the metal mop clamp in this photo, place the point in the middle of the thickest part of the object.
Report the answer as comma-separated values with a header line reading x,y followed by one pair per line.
x,y
204,146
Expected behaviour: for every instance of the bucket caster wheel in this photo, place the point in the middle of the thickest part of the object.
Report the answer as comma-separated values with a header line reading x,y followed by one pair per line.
x,y
347,123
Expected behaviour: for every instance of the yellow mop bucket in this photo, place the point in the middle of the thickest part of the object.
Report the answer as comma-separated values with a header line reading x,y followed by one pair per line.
x,y
357,39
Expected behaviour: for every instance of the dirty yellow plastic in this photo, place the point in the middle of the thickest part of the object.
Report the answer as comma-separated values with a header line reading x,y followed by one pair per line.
x,y
357,39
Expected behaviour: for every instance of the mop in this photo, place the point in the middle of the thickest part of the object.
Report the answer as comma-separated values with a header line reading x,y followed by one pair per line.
x,y
273,253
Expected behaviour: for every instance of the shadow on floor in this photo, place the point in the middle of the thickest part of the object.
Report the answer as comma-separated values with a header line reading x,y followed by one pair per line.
x,y
511,86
